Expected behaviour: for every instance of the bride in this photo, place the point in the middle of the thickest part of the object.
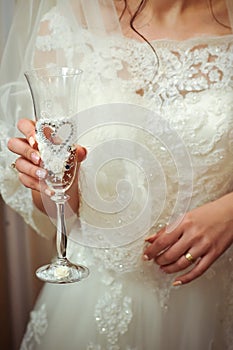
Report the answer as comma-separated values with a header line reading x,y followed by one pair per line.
x,y
152,213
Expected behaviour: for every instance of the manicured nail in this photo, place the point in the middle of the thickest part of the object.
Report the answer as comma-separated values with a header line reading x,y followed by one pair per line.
x,y
31,141
35,157
150,237
48,192
145,257
177,283
41,173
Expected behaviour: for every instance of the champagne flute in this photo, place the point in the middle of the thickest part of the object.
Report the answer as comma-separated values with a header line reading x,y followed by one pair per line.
x,y
54,94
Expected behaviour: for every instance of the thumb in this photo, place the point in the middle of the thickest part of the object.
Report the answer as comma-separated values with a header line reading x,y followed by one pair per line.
x,y
81,153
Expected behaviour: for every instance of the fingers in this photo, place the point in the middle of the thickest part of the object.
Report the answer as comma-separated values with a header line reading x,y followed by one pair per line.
x,y
22,148
172,258
199,268
81,153
169,249
153,237
173,253
182,262
34,184
27,128
31,174
28,168
161,244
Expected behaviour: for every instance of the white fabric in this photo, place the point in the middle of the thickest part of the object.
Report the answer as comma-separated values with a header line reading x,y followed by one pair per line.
x,y
126,303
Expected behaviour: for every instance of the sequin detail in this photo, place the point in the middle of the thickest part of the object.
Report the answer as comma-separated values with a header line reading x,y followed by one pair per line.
x,y
113,314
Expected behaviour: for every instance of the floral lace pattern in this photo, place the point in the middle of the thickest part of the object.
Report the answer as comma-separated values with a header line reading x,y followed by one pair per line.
x,y
178,87
113,314
182,67
36,328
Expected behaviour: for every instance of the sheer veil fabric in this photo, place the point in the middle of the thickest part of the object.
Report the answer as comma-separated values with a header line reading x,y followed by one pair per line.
x,y
190,90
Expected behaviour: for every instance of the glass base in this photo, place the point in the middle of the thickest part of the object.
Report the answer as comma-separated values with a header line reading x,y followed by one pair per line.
x,y
62,271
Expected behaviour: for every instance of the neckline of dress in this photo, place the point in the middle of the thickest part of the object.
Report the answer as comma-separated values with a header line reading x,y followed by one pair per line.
x,y
198,40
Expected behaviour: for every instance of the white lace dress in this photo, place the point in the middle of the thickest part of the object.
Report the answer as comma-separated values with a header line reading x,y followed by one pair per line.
x,y
126,303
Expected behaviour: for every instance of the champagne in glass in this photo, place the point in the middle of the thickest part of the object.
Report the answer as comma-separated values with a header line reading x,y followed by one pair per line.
x,y
54,93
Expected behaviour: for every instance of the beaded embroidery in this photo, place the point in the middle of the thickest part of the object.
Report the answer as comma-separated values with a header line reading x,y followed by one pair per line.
x,y
57,153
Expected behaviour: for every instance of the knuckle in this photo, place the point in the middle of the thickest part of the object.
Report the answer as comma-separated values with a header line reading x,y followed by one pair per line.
x,y
32,171
27,181
206,243
20,123
179,264
10,143
168,256
27,152
187,221
161,242
26,126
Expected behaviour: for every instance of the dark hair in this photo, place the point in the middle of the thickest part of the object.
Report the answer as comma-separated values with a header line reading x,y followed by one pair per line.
x,y
214,16
136,13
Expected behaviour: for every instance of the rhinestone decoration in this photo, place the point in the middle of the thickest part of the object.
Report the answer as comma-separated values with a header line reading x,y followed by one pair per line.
x,y
56,145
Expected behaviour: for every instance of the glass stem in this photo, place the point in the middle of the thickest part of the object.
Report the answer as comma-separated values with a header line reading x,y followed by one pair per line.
x,y
61,239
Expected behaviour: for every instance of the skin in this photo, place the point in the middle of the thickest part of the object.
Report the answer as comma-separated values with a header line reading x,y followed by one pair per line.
x,y
174,19
28,165
205,232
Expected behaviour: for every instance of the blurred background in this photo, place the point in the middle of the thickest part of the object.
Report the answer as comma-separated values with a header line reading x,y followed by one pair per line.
x,y
21,249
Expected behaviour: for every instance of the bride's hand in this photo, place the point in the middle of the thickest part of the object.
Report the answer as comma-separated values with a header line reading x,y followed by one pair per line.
x,y
205,233
27,164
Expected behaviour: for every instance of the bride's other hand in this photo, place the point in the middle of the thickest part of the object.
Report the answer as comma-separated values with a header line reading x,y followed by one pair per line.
x,y
202,237
27,164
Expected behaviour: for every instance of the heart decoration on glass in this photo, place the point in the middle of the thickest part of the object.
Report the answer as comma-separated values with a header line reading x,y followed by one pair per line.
x,y
56,141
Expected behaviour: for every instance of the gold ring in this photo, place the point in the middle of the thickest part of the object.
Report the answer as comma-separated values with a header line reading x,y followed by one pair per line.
x,y
13,165
189,257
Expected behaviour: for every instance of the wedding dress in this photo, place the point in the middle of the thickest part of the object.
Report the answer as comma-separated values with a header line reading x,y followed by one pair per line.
x,y
155,130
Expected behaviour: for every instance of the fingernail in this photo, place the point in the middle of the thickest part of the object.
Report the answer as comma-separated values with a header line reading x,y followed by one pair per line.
x,y
145,257
41,173
48,192
150,237
177,283
31,141
35,157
